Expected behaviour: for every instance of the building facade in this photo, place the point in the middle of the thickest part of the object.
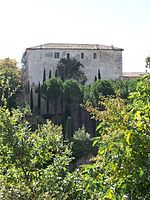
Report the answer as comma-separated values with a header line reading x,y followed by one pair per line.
x,y
94,57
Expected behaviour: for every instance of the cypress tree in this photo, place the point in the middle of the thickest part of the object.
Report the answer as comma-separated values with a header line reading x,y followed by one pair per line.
x,y
44,76
99,75
62,77
50,75
56,73
68,132
31,100
47,105
95,78
28,87
39,98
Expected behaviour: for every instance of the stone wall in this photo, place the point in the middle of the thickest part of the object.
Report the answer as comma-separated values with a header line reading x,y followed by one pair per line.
x,y
36,60
108,61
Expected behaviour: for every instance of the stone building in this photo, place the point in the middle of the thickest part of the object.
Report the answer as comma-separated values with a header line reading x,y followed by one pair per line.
x,y
132,75
94,57
42,59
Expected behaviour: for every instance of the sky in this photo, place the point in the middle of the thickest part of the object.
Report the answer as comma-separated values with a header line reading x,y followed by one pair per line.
x,y
122,23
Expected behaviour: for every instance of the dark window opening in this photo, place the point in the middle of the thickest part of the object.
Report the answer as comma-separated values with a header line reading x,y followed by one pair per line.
x,y
56,55
68,55
82,55
94,56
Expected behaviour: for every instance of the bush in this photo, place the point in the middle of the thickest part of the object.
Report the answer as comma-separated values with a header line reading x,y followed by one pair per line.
x,y
81,134
121,169
82,148
33,164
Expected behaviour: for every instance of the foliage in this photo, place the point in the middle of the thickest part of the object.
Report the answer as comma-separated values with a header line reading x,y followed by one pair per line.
x,y
100,88
10,77
87,94
71,99
82,148
95,78
33,165
31,100
103,88
68,129
99,74
71,69
39,98
123,88
81,134
147,62
56,73
52,91
44,76
72,91
121,169
82,144
50,74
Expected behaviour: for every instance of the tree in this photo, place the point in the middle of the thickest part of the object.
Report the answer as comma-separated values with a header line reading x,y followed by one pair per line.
x,y
147,62
31,100
99,75
121,168
50,75
72,97
72,91
39,98
100,88
122,88
81,134
56,73
71,69
9,67
33,165
87,93
52,91
68,129
44,76
10,77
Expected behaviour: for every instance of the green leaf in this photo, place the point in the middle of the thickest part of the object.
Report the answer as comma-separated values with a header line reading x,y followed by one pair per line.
x,y
128,138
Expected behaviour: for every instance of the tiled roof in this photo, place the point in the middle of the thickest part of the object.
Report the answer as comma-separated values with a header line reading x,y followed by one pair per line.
x,y
75,46
133,74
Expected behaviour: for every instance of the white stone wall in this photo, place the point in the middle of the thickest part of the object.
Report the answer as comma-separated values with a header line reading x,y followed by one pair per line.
x,y
109,62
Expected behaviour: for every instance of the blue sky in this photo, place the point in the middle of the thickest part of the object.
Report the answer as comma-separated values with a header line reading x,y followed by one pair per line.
x,y
122,23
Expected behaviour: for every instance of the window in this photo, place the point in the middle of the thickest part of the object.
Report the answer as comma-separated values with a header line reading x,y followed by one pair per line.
x,y
94,56
56,55
68,55
82,55
49,54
